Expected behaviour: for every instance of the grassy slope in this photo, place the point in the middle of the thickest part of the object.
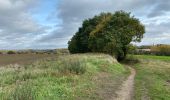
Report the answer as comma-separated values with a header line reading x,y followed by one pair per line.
x,y
62,78
153,78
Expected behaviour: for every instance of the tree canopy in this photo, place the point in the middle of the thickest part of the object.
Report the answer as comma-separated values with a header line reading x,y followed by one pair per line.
x,y
107,33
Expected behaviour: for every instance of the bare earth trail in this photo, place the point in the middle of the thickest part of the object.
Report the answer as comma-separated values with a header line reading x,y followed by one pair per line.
x,y
126,90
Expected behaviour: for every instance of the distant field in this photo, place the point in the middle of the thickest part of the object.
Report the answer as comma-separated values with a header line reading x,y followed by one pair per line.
x,y
162,58
21,58
152,81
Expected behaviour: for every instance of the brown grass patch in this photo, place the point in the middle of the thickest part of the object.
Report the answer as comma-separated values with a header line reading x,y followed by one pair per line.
x,y
6,59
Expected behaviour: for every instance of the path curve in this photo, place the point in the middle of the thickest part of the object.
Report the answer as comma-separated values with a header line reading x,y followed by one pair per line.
x,y
126,90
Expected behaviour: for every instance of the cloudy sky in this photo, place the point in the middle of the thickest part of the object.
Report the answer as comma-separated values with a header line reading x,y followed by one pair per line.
x,y
42,24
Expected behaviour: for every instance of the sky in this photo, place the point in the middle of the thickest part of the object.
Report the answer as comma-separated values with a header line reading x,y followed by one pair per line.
x,y
50,24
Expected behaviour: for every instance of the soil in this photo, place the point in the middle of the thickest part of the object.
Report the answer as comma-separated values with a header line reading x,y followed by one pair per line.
x,y
127,88
112,90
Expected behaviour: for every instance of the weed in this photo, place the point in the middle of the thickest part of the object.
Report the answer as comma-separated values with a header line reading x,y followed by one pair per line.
x,y
22,91
68,77
73,65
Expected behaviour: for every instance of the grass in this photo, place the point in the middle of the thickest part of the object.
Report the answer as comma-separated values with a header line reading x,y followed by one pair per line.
x,y
152,57
152,81
69,77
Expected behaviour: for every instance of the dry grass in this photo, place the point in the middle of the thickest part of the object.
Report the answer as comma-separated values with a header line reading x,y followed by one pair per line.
x,y
6,59
69,77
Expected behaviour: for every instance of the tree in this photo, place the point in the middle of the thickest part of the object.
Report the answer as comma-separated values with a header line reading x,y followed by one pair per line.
x,y
11,52
108,33
132,49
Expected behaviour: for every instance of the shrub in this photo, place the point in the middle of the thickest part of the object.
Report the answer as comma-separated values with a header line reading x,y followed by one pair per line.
x,y
72,65
11,52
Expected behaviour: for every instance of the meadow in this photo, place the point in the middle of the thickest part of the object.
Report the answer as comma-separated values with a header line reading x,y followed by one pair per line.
x,y
152,81
67,77
81,76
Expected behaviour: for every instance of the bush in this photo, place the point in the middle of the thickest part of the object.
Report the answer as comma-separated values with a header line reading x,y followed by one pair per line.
x,y
11,52
72,65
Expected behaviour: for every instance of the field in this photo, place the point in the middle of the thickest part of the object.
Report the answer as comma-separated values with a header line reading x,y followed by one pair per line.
x,y
82,77
6,59
152,81
69,77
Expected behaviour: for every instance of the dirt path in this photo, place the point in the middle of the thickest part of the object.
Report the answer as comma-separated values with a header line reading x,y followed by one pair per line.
x,y
126,90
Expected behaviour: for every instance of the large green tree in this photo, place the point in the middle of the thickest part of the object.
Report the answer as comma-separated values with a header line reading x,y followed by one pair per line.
x,y
108,33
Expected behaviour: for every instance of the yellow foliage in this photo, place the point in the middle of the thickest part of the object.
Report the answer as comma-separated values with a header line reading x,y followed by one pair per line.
x,y
102,24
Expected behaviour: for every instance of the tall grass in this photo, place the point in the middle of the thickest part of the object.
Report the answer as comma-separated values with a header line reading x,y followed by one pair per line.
x,y
73,65
20,76
22,92
67,77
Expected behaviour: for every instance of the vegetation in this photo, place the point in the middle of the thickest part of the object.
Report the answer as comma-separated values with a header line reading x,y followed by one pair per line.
x,y
62,51
21,58
11,52
68,77
152,80
144,47
108,33
153,57
161,50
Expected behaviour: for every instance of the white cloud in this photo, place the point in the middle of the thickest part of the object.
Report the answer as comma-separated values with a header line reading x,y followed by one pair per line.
x,y
17,27
73,12
16,24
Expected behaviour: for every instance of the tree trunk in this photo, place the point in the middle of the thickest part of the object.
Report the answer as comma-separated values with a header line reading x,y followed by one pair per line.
x,y
122,56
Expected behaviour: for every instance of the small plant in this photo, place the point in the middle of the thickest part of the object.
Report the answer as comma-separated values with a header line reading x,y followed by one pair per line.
x,y
72,65
11,52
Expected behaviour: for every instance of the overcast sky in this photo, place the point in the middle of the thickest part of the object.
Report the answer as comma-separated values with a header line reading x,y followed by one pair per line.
x,y
48,24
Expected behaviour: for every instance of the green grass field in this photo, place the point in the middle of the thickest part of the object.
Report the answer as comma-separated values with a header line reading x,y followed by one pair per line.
x,y
152,81
69,77
152,57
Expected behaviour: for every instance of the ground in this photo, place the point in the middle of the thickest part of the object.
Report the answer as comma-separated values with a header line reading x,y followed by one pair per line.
x,y
151,81
6,59
70,77
84,77
126,91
